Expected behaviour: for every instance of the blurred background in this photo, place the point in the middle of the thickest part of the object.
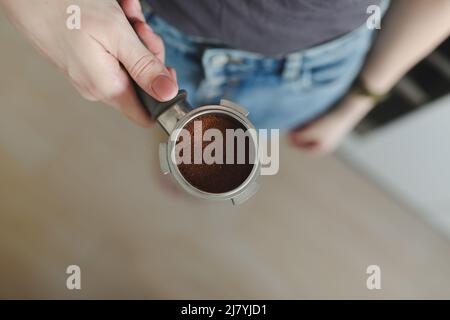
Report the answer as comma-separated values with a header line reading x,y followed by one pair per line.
x,y
80,184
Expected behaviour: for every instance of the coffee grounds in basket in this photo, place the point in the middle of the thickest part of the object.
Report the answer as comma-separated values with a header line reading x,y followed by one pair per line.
x,y
216,178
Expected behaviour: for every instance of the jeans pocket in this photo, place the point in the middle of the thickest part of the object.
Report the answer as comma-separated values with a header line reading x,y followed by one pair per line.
x,y
329,73
332,68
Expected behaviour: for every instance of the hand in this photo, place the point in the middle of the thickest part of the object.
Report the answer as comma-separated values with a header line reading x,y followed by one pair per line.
x,y
114,43
323,136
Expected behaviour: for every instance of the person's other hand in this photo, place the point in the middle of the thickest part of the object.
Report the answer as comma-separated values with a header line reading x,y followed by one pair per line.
x,y
323,135
113,43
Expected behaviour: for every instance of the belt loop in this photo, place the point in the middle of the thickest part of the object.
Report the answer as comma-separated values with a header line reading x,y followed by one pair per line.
x,y
292,66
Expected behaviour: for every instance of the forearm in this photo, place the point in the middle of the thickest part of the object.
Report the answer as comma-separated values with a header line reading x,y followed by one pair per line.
x,y
410,31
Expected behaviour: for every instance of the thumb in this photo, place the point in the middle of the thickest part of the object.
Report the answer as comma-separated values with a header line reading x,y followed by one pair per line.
x,y
145,68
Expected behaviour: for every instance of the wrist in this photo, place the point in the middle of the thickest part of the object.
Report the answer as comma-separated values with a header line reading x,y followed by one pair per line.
x,y
364,89
354,107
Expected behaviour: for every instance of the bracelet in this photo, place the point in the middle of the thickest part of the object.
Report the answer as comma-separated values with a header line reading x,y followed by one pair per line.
x,y
360,88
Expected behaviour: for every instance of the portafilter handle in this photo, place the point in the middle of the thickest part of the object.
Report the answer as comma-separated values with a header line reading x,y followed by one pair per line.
x,y
166,113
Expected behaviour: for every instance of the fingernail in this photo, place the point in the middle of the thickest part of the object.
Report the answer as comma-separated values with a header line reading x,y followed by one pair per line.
x,y
164,88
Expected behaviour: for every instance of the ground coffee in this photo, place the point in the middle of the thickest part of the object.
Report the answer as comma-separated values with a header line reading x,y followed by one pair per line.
x,y
216,178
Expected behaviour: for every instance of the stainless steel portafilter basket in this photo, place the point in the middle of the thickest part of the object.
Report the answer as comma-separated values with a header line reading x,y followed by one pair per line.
x,y
176,114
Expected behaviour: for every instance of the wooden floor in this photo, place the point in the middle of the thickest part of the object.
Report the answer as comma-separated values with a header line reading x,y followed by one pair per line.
x,y
79,184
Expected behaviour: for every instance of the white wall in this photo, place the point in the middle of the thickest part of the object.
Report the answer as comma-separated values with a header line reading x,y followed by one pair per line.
x,y
411,160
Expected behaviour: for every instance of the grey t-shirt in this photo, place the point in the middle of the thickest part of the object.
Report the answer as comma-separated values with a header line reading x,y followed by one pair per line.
x,y
269,27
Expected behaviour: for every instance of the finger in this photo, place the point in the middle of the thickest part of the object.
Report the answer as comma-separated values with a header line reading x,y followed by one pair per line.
x,y
304,142
128,103
173,73
83,91
151,40
133,10
101,77
144,67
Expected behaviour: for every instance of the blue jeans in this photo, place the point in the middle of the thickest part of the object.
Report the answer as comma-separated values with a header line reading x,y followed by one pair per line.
x,y
279,93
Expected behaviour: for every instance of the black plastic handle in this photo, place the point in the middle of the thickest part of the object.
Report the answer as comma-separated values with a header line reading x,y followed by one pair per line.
x,y
155,107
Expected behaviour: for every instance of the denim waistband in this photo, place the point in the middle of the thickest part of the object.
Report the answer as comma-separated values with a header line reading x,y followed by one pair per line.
x,y
289,65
